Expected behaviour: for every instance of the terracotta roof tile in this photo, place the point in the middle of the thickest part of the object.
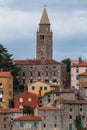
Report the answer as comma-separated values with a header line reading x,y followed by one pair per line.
x,y
4,74
35,62
83,74
49,108
15,110
28,118
71,90
73,101
82,64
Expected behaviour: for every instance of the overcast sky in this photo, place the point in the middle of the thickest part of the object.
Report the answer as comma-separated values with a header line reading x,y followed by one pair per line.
x,y
19,21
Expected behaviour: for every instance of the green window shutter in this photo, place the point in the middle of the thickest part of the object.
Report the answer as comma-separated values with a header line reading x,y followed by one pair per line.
x,y
35,124
81,124
45,88
33,88
70,126
21,124
40,88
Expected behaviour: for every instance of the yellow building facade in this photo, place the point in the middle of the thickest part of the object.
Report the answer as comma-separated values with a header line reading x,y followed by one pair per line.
x,y
40,88
6,88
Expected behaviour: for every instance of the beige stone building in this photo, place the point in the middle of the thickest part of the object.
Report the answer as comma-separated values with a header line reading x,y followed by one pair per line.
x,y
6,89
27,123
43,68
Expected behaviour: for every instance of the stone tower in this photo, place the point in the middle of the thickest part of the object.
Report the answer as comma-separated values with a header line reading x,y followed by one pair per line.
x,y
44,38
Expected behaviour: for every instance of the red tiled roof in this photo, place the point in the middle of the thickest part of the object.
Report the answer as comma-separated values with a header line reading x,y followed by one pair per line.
x,y
4,74
82,64
12,110
73,101
35,62
83,74
71,90
28,118
4,110
49,108
15,110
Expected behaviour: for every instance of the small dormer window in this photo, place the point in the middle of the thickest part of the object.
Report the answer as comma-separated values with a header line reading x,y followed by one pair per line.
x,y
42,37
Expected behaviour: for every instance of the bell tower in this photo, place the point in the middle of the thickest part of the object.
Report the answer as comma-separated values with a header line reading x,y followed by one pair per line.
x,y
44,38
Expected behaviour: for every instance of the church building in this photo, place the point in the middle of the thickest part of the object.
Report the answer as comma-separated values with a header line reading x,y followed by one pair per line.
x,y
43,68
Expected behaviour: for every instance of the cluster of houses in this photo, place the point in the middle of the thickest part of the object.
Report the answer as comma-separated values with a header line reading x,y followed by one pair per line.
x,y
55,107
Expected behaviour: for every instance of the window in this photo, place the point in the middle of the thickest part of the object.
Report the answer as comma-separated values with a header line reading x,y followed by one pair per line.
x,y
31,81
21,107
41,88
54,125
83,116
80,109
70,117
4,126
21,124
77,77
54,73
70,109
46,73
39,74
81,124
48,100
45,88
0,85
0,99
55,118
35,124
33,88
44,125
4,119
46,80
23,73
54,81
1,92
54,67
23,81
31,74
21,100
44,118
77,70
41,37
46,66
29,99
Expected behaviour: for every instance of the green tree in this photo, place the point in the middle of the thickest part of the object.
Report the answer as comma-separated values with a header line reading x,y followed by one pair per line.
x,y
68,64
7,64
28,110
78,122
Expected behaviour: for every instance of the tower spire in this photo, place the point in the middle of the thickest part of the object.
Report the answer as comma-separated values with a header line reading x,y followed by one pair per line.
x,y
44,18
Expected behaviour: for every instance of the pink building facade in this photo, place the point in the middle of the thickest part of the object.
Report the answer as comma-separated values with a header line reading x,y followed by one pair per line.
x,y
77,67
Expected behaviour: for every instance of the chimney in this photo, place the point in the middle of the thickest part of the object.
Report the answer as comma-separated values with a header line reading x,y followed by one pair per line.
x,y
80,60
